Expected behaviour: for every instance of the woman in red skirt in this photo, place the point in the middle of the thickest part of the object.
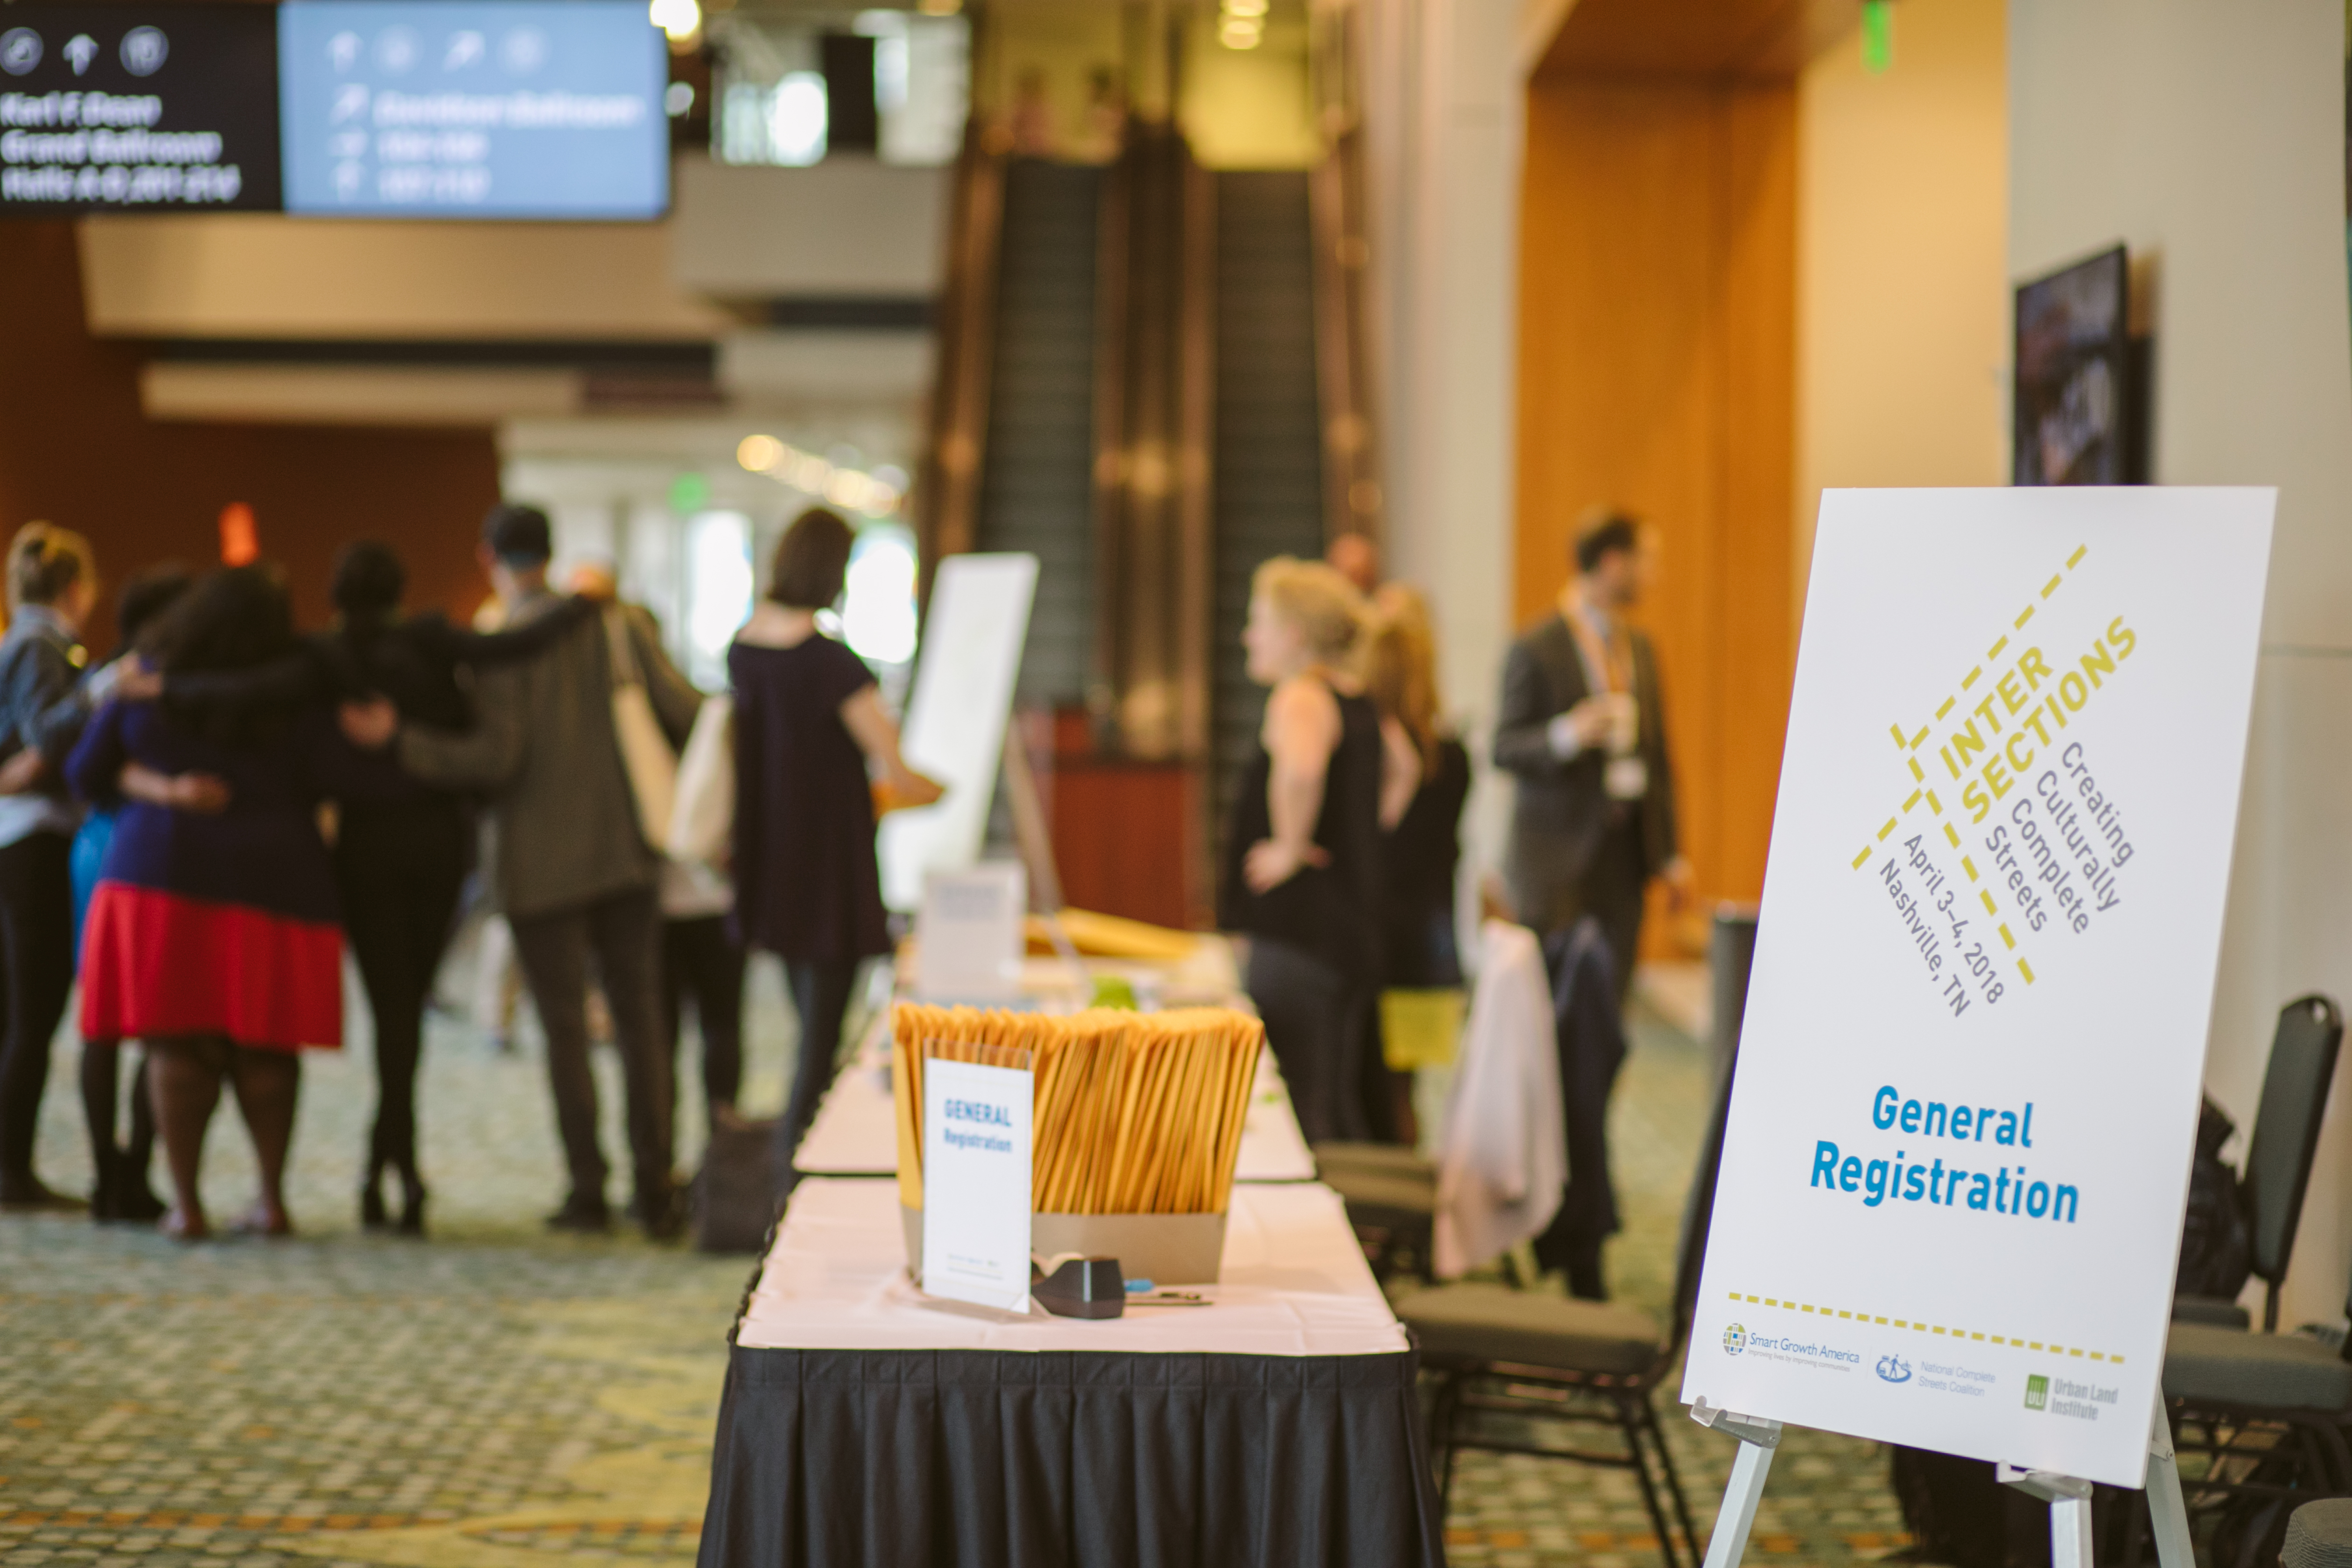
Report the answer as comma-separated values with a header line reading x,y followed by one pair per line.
x,y
212,936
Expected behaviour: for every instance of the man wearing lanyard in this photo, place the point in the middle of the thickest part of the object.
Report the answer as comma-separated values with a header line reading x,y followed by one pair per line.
x,y
1582,729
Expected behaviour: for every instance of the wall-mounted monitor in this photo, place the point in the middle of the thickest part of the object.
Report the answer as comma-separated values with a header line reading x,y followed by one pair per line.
x,y
138,109
2074,395
444,108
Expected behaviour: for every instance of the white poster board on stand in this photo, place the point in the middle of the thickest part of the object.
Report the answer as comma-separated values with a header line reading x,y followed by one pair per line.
x,y
954,730
1968,1082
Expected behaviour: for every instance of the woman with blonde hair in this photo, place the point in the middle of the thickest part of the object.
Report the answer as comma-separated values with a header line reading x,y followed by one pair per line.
x,y
52,581
1302,875
1421,844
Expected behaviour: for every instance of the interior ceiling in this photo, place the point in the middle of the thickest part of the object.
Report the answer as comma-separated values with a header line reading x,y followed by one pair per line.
x,y
1751,39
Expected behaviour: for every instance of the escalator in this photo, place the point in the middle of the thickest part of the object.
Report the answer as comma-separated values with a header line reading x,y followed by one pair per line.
x,y
1268,446
1134,359
1037,485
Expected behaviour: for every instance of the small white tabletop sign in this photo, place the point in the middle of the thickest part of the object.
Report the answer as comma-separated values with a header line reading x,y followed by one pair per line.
x,y
976,1181
970,933
1950,1210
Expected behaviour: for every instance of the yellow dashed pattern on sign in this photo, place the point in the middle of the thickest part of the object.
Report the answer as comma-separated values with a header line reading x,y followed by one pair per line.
x,y
1921,1327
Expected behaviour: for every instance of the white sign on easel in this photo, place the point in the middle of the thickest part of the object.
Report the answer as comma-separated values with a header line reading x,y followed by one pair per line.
x,y
956,717
976,1183
1968,1071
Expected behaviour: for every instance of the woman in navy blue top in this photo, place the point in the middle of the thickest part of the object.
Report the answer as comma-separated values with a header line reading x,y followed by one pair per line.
x,y
212,936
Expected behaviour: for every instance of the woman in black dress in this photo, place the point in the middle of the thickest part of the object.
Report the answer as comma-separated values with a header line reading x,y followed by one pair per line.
x,y
1421,839
1302,876
808,721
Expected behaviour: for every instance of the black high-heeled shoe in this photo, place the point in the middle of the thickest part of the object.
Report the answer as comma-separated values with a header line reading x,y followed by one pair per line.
x,y
412,1202
104,1206
372,1211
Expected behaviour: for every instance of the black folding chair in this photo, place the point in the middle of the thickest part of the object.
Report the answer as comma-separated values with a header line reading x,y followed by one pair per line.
x,y
2279,1155
1501,1354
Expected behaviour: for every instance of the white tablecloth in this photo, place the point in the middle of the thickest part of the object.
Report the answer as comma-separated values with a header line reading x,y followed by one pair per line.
x,y
856,1132
1295,1284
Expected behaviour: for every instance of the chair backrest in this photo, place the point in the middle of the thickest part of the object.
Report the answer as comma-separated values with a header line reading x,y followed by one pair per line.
x,y
2286,1128
1698,1209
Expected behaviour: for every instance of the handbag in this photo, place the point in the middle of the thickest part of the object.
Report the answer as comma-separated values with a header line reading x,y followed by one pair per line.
x,y
646,755
702,817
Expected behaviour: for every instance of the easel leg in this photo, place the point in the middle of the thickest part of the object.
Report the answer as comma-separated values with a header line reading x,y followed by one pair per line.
x,y
2165,1504
1727,1543
2069,1532
2070,1504
1757,1437
2069,1511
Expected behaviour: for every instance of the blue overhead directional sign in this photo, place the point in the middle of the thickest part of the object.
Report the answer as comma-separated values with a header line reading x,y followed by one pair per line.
x,y
513,109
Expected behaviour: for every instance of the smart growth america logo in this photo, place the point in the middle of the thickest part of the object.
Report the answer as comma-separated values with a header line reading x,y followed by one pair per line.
x,y
1734,1339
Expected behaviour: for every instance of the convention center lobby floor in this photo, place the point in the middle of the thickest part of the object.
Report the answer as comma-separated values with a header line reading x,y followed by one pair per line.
x,y
496,1396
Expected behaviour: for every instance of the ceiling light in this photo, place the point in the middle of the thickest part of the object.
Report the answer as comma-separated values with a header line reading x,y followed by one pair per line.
x,y
758,454
1239,33
1244,8
681,20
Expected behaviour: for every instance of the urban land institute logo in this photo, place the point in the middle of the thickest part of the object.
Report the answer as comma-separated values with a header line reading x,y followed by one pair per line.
x,y
1734,1339
1894,1369
2037,1392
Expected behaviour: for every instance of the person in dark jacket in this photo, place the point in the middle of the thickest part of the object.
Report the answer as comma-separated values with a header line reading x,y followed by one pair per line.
x,y
52,583
1582,728
569,857
402,847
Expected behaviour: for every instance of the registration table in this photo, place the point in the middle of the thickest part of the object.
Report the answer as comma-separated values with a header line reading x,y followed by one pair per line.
x,y
865,1424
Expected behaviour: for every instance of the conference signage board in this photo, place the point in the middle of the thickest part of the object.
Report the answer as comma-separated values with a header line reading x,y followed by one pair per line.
x,y
517,109
1949,1209
138,109
973,633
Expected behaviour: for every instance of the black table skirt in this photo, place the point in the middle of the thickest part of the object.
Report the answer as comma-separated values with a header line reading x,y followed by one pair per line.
x,y
889,1459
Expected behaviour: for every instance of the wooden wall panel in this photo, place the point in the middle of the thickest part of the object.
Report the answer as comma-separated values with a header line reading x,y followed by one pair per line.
x,y
1657,292
76,448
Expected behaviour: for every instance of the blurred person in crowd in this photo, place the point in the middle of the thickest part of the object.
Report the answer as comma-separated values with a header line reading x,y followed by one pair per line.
x,y
1031,121
809,726
1422,796
52,585
402,847
703,964
122,1191
212,935
1105,130
1356,557
1302,879
1582,728
568,857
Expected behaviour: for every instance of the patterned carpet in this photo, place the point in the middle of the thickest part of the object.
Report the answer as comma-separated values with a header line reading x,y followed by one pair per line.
x,y
497,1396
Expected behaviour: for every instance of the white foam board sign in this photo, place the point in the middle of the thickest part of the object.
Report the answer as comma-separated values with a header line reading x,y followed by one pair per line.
x,y
964,677
1949,1209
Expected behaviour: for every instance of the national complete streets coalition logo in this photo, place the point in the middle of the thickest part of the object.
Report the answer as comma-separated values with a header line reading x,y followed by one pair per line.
x,y
1894,1369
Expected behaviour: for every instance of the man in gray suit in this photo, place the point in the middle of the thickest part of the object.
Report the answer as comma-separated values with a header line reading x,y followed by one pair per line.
x,y
1582,729
566,856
